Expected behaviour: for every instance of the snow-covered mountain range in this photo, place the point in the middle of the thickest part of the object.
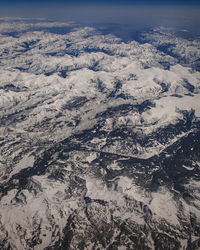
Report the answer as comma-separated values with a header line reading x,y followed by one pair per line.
x,y
100,138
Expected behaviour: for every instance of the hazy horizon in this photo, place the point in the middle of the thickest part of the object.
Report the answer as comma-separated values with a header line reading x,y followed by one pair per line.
x,y
121,18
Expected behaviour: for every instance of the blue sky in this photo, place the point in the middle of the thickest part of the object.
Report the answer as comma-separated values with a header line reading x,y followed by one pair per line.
x,y
102,2
134,13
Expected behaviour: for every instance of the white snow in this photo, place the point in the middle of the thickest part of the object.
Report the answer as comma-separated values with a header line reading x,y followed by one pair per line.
x,y
114,166
163,206
35,115
167,109
91,157
121,248
188,168
25,162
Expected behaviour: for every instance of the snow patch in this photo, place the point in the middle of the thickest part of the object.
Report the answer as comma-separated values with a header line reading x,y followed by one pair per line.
x,y
163,206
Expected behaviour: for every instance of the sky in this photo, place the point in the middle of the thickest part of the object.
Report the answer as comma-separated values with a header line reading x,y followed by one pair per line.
x,y
100,2
130,14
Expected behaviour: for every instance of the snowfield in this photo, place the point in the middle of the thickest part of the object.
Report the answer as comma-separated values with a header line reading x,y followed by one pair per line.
x,y
99,139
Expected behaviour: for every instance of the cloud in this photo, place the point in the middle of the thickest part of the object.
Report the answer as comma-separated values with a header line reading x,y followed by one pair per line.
x,y
14,24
